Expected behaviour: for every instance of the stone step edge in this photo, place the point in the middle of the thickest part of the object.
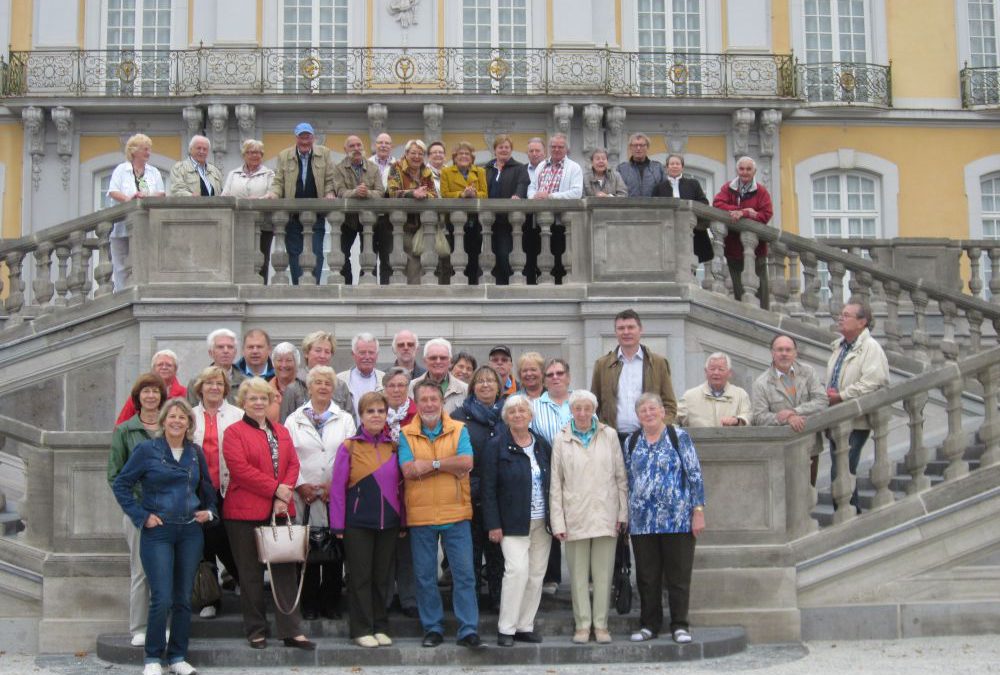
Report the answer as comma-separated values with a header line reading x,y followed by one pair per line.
x,y
233,652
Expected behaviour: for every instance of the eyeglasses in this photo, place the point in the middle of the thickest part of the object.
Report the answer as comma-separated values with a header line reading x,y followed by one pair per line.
x,y
556,373
406,344
436,358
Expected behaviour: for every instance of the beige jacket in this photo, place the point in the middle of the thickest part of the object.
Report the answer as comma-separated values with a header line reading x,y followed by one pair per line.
x,y
454,395
185,181
698,408
769,395
286,172
345,181
865,369
588,491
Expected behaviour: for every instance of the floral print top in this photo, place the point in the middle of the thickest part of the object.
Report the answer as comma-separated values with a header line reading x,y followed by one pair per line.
x,y
665,484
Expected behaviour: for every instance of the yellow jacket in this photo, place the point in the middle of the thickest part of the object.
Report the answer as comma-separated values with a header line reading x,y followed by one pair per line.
x,y
453,183
437,498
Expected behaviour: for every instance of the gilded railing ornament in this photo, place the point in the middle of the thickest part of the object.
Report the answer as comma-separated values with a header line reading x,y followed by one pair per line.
x,y
310,68
848,81
678,73
128,70
404,68
499,69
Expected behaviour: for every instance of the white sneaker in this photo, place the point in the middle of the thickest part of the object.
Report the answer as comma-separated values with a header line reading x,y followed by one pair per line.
x,y
182,668
550,588
681,636
152,669
367,641
207,612
383,639
139,640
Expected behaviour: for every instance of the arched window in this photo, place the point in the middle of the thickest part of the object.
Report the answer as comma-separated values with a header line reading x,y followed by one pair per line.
x,y
989,191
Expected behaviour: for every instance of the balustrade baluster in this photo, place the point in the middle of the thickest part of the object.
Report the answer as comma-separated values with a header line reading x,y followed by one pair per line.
x,y
843,486
62,267
854,283
459,258
429,257
367,275
975,320
989,432
955,442
810,287
749,276
918,455
893,333
102,275
919,335
518,259
836,287
307,259
279,257
567,256
779,278
975,254
546,260
793,306
994,254
335,260
398,257
881,471
488,259
720,274
15,291
864,286
80,261
259,258
949,347
42,284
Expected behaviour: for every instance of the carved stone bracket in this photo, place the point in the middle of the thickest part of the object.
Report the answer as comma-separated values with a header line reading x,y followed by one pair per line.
x,y
494,128
742,121
218,124
62,117
377,115
769,121
676,140
433,116
562,116
194,119
614,121
593,116
246,119
34,132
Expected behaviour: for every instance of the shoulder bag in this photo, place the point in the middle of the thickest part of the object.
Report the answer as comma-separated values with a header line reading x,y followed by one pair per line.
x,y
286,543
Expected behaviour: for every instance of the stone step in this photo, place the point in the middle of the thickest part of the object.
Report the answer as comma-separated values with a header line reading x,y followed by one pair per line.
x,y
865,498
234,652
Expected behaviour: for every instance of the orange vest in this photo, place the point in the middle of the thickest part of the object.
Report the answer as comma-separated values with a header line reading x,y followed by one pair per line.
x,y
437,498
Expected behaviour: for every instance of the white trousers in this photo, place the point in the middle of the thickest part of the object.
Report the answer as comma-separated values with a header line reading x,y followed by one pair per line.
x,y
525,560
138,597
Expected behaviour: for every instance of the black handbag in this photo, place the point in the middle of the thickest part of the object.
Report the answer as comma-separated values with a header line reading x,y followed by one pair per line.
x,y
621,588
206,587
324,546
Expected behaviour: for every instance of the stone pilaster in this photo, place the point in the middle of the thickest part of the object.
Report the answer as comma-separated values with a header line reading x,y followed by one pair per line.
x,y
62,117
433,116
593,116
218,125
34,133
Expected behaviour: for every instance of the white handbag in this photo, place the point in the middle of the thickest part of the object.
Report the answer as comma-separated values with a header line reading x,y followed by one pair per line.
x,y
286,543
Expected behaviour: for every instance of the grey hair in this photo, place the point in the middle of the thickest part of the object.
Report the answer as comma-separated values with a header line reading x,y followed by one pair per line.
x,y
283,348
672,155
746,158
719,355
537,139
321,371
363,337
395,371
598,151
396,337
164,352
560,136
515,401
217,333
648,397
437,342
250,144
578,395
414,141
198,137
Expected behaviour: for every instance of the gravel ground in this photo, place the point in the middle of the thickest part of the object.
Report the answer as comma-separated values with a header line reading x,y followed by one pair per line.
x,y
977,655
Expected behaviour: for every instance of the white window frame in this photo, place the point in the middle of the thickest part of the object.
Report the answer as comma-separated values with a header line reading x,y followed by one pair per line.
x,y
711,26
518,84
878,48
336,73
974,173
964,54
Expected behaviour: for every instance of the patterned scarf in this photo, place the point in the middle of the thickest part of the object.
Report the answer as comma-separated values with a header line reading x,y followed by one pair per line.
x,y
318,419
394,418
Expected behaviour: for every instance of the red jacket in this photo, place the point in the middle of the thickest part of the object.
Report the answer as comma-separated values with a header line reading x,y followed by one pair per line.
x,y
251,473
728,199
175,390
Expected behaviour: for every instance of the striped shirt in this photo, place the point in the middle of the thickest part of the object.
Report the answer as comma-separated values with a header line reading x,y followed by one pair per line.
x,y
548,417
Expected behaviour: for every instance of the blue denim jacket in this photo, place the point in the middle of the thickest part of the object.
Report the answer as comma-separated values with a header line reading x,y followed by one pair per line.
x,y
172,490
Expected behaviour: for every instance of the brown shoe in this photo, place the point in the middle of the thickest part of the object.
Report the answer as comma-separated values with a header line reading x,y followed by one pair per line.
x,y
602,635
582,636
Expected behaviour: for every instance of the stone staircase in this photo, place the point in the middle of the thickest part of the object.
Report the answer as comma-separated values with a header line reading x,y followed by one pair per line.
x,y
220,642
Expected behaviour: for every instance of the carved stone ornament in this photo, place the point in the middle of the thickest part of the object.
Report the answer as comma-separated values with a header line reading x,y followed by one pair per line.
x,y
614,120
676,140
742,121
246,118
562,116
494,128
593,115
770,120
403,11
194,118
377,115
218,125
62,117
34,131
433,116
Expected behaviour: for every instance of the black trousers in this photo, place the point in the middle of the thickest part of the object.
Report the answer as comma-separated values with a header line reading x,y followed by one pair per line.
x,y
370,555
492,573
321,589
736,274
659,558
217,546
381,242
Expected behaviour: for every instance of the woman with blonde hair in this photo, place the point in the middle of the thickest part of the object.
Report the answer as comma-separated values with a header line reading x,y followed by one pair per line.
x,y
411,178
134,178
464,180
252,180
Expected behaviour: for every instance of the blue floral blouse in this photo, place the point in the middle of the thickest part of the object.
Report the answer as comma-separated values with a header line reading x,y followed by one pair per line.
x,y
664,485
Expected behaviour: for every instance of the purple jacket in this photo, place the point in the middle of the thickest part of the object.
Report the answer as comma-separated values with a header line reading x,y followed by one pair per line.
x,y
367,486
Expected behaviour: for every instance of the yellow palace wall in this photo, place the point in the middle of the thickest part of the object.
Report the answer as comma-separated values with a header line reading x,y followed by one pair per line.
x,y
922,48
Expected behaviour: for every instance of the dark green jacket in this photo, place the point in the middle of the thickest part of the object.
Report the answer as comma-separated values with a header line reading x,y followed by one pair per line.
x,y
127,435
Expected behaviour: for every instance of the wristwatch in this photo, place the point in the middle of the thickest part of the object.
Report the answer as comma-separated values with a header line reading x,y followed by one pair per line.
x,y
436,464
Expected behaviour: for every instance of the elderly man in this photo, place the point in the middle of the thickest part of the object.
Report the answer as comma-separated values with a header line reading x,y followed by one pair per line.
x,y
358,178
364,376
788,391
716,403
559,177
436,456
194,176
640,173
531,241
627,372
502,361
404,346
744,197
304,171
256,361
437,358
222,351
383,158
857,366
164,364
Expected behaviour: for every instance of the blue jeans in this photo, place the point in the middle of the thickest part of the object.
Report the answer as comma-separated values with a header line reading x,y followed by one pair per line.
x,y
855,442
294,241
170,555
457,542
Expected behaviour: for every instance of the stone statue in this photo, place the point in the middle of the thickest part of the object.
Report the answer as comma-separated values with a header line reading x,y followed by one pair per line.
x,y
404,11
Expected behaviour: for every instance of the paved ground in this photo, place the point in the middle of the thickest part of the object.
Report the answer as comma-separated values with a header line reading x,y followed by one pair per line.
x,y
979,655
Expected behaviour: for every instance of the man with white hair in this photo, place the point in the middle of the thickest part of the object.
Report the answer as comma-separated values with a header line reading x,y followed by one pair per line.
x,y
558,177
193,176
364,376
437,356
716,402
164,364
404,346
744,197
222,350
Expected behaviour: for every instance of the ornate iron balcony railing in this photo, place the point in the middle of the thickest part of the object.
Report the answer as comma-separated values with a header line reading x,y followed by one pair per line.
x,y
359,70
980,87
845,82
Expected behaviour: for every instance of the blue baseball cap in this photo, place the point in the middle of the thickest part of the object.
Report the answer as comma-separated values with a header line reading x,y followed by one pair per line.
x,y
304,128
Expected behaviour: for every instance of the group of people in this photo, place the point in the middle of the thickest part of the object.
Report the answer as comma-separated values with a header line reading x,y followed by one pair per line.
x,y
503,466
308,170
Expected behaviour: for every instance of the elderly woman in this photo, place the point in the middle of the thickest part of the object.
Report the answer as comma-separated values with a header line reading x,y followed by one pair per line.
x,y
211,418
600,180
263,471
515,488
506,178
410,178
148,395
317,350
177,497
464,180
463,365
588,499
529,374
286,361
366,475
480,412
400,407
436,157
134,178
317,430
253,180
164,364
666,513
